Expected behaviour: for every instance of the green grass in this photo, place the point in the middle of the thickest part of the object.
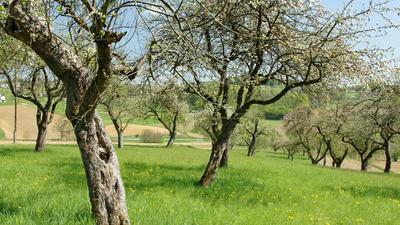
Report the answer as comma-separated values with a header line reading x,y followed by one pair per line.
x,y
2,135
10,98
50,188
7,93
271,123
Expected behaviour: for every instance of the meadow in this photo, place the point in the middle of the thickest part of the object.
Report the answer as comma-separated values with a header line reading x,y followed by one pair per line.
x,y
161,185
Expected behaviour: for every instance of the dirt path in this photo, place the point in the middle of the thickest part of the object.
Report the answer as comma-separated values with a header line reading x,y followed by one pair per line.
x,y
381,165
376,166
201,145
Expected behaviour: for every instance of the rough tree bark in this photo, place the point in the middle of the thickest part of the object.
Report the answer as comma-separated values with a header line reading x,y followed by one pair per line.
x,y
106,189
83,90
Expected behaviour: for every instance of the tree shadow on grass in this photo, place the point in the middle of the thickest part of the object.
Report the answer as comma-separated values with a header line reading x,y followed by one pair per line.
x,y
228,187
231,185
370,191
70,172
13,151
7,209
160,175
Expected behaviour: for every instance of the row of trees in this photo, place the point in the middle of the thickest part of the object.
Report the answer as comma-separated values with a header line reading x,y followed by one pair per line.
x,y
241,46
29,79
363,122
224,52
125,101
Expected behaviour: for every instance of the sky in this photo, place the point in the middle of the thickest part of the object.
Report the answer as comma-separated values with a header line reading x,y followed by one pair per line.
x,y
392,39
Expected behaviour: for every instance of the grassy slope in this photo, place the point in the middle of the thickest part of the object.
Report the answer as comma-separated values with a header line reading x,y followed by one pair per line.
x,y
49,188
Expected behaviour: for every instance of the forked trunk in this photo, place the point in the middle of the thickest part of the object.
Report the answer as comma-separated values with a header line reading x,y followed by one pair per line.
x,y
337,160
106,189
41,137
120,139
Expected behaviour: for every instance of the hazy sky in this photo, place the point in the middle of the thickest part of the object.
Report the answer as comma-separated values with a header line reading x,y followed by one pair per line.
x,y
390,40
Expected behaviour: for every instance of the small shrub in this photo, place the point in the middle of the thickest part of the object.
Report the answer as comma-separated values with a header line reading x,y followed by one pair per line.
x,y
395,156
65,130
152,136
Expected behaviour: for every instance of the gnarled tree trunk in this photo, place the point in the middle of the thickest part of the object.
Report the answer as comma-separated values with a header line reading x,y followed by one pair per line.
x,y
106,189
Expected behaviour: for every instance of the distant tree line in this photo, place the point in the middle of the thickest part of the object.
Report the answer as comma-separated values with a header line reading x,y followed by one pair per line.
x,y
362,123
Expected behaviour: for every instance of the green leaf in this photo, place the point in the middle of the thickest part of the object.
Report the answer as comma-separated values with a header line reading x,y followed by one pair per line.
x,y
59,9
